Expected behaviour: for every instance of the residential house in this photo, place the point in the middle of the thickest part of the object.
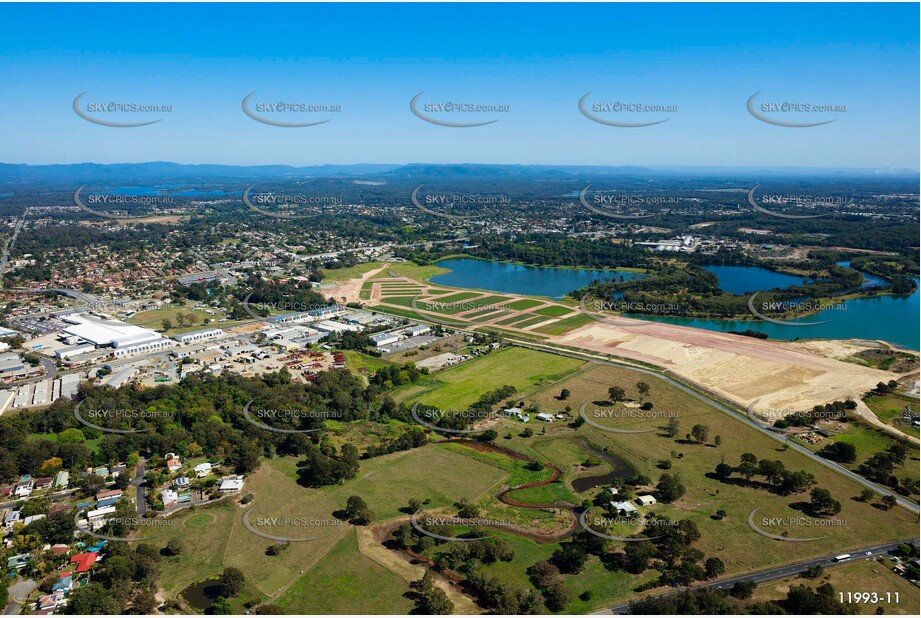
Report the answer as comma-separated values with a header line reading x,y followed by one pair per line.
x,y
84,561
48,603
623,508
230,484
169,497
62,480
202,470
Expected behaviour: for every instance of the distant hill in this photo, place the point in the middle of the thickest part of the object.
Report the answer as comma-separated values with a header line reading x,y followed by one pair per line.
x,y
160,171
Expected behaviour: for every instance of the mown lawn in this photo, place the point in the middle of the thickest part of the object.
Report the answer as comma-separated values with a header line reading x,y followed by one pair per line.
x,y
463,385
346,582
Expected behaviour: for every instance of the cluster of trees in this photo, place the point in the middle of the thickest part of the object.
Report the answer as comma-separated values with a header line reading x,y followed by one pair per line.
x,y
126,580
670,488
774,473
429,598
830,411
880,467
325,465
690,290
507,599
392,376
800,600
413,437
670,550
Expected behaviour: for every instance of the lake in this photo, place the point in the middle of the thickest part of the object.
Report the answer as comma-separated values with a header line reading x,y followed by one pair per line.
x,y
160,190
889,318
750,279
517,279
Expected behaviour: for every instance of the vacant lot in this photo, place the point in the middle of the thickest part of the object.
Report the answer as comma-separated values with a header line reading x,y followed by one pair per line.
x,y
889,408
463,385
346,582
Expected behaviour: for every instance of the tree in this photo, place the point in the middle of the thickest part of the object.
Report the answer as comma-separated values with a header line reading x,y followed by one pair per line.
x,y
232,581
714,567
822,503
429,598
717,440
167,324
843,452
358,512
724,471
145,602
569,558
564,394
673,427
743,589
889,502
700,433
72,436
616,393
557,596
414,505
867,495
174,547
643,389
670,488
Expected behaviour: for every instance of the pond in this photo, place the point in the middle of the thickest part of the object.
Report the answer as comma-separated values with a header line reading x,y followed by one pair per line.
x,y
202,594
619,470
511,278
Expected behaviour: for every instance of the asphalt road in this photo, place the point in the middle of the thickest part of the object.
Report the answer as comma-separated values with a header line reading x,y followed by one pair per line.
x,y
141,491
18,592
775,573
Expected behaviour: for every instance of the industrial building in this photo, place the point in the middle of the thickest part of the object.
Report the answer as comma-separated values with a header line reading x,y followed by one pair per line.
x,y
199,335
123,338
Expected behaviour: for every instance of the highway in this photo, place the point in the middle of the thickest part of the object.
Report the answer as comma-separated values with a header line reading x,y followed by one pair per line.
x,y
864,553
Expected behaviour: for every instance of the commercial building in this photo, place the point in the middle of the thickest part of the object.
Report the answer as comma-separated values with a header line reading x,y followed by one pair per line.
x,y
382,339
10,363
199,335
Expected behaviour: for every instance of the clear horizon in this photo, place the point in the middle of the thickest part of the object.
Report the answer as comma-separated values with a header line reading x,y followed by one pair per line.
x,y
371,60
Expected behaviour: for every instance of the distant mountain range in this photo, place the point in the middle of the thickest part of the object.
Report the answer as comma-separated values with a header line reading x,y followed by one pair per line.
x,y
158,171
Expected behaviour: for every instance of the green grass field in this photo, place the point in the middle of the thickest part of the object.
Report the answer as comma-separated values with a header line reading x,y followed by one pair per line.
x,y
462,385
525,303
154,319
889,408
553,311
347,582
351,272
565,325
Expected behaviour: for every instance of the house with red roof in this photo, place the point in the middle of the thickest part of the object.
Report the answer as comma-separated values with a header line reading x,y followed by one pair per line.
x,y
84,561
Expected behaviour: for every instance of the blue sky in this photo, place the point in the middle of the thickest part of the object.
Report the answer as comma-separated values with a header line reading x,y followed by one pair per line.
x,y
538,59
